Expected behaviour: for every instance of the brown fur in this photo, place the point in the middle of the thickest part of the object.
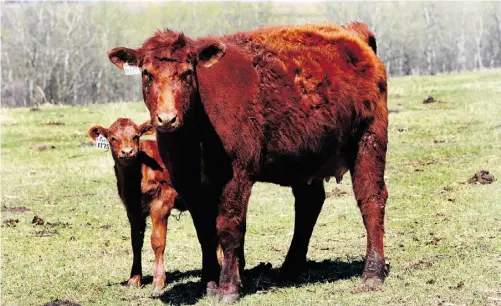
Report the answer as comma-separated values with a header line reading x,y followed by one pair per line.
x,y
290,105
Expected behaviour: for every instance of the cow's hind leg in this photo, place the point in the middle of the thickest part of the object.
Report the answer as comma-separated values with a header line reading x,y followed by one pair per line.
x,y
370,191
309,199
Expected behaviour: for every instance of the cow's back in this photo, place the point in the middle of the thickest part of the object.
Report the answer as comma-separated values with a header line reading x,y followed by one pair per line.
x,y
317,85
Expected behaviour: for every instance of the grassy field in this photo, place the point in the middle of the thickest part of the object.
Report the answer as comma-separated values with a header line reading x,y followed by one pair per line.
x,y
443,237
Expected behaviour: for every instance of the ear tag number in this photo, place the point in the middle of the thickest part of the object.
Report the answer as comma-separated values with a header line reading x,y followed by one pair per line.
x,y
102,143
131,70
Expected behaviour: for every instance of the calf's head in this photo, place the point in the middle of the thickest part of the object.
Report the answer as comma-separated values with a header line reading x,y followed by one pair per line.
x,y
123,136
169,62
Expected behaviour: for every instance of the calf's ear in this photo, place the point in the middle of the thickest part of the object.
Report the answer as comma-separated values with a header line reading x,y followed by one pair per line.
x,y
95,131
121,55
146,128
208,55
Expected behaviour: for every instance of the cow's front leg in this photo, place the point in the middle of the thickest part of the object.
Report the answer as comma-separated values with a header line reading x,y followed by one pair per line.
x,y
203,213
231,231
137,227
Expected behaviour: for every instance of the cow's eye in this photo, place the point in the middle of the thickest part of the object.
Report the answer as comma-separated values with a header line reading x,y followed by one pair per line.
x,y
136,138
113,139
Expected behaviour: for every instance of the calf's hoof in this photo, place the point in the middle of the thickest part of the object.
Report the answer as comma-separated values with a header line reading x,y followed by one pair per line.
x,y
134,282
157,291
211,289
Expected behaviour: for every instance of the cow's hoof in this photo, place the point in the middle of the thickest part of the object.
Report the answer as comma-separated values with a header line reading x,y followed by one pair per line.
x,y
373,281
292,268
157,291
228,298
211,289
134,282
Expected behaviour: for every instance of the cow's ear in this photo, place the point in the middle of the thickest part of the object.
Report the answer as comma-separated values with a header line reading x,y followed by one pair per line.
x,y
97,130
146,128
210,54
121,55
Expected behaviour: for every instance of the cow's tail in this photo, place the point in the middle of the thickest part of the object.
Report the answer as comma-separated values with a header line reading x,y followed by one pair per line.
x,y
362,30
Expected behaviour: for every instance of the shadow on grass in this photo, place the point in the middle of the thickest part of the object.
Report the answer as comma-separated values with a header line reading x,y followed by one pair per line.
x,y
262,278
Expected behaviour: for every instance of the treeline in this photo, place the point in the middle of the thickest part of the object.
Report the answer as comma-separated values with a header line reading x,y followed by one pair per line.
x,y
55,52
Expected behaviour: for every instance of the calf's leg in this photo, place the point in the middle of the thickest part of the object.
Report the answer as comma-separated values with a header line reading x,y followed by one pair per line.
x,y
231,225
137,227
371,194
159,211
309,199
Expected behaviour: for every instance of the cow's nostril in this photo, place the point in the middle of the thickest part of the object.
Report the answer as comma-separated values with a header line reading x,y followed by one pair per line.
x,y
167,119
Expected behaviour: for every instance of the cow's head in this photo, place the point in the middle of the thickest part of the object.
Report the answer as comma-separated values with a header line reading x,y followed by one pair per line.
x,y
123,136
169,62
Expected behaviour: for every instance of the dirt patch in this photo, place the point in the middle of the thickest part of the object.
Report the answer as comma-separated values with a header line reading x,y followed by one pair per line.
x,y
335,192
440,141
87,144
37,220
45,147
35,109
482,177
434,241
430,99
106,226
422,163
45,233
10,223
58,302
17,209
460,285
393,111
422,264
56,123
58,224
362,288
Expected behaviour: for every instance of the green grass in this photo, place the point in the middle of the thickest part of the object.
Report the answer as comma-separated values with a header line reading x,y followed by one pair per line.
x,y
443,246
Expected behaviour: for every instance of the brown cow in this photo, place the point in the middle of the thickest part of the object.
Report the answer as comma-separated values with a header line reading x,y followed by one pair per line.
x,y
290,105
145,189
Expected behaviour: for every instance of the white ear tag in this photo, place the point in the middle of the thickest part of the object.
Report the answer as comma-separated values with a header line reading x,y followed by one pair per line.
x,y
131,70
102,143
